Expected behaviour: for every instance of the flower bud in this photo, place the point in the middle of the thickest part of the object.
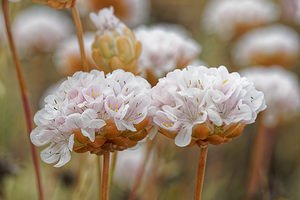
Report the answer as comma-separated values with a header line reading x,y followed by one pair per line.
x,y
115,46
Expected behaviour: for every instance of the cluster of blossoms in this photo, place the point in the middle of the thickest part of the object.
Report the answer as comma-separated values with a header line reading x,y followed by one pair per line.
x,y
281,90
91,112
40,29
164,50
230,18
273,45
115,46
131,12
68,58
200,104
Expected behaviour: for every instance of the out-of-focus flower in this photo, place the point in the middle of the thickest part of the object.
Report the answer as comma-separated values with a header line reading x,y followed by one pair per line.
x,y
164,50
57,4
131,12
115,46
200,104
230,18
89,112
40,29
68,58
273,45
281,90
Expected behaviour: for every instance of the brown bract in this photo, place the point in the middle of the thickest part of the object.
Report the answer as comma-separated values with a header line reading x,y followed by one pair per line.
x,y
116,50
203,135
109,138
57,4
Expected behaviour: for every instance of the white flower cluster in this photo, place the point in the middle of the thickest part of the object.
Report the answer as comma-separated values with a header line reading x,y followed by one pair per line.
x,y
196,95
106,21
281,90
270,43
40,28
84,102
164,50
225,17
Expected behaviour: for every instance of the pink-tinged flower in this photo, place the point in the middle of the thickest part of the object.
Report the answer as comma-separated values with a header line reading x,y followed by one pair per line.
x,y
40,29
272,45
115,46
132,12
281,90
91,112
165,49
199,104
231,18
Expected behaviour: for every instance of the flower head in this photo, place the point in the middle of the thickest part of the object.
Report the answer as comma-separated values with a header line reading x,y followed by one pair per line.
x,y
91,112
200,104
114,46
68,58
281,90
273,45
229,18
57,4
40,29
164,50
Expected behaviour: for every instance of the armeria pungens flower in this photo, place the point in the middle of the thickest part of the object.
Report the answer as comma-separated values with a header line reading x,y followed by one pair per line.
x,y
200,104
231,18
115,46
131,12
67,55
272,45
40,29
164,50
57,4
281,90
89,112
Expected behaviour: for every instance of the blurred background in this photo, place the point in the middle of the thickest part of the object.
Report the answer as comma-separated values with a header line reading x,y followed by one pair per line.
x,y
226,34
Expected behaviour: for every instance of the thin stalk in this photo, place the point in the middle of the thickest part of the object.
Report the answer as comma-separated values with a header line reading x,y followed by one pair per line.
x,y
140,173
79,33
113,167
260,161
200,171
99,174
24,93
105,175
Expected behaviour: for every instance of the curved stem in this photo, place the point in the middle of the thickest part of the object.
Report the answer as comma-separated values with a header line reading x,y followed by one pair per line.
x,y
200,171
79,33
24,93
140,173
105,175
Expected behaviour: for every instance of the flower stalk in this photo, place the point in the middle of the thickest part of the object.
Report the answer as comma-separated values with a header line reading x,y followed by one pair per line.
x,y
24,94
79,33
260,160
142,168
200,171
105,175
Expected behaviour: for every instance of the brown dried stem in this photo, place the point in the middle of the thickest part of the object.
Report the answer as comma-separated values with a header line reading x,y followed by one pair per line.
x,y
105,175
200,171
24,94
79,33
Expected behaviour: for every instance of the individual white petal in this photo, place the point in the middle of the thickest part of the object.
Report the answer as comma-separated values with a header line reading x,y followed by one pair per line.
x,y
184,136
